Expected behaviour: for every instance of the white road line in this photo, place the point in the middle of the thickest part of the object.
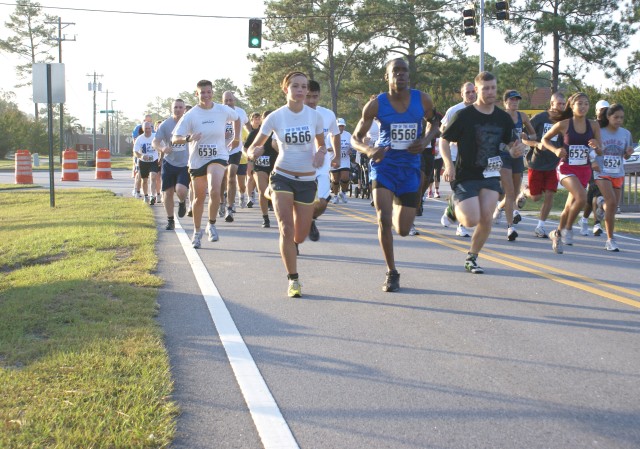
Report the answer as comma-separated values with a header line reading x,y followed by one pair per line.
x,y
273,429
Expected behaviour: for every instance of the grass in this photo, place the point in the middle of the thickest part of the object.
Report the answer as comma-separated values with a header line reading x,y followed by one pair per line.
x,y
19,186
117,162
82,362
559,199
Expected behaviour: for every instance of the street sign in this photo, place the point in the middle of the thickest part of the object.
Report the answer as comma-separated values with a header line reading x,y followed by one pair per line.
x,y
110,111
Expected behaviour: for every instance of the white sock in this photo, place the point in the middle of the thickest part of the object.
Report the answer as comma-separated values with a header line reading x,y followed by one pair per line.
x,y
541,224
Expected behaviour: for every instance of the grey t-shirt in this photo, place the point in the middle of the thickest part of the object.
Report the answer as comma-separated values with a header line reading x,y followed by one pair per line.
x,y
179,156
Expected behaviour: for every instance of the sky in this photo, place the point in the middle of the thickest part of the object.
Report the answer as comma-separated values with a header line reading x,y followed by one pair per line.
x,y
143,56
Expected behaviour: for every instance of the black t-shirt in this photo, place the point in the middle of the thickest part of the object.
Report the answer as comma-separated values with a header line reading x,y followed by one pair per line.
x,y
268,147
543,160
479,137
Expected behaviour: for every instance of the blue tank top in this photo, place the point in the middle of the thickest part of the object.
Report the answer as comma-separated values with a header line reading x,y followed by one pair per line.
x,y
577,145
518,125
397,129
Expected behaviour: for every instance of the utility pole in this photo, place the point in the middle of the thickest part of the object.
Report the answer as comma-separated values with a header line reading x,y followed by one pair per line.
x,y
61,39
95,87
482,35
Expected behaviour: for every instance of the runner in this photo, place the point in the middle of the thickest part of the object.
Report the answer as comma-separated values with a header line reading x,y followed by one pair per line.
x,y
175,174
512,168
137,181
293,180
254,125
574,169
542,177
617,144
469,96
340,175
482,132
395,161
262,168
332,140
147,162
235,153
203,128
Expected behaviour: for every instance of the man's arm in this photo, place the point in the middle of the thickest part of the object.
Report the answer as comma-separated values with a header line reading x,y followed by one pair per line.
x,y
369,112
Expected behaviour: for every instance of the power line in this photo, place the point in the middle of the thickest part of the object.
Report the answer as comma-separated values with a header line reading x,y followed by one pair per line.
x,y
449,7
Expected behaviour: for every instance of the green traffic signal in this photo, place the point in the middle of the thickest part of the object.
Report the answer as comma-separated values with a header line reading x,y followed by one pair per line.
x,y
255,33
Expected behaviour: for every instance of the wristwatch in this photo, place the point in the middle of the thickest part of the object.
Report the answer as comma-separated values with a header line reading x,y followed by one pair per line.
x,y
188,138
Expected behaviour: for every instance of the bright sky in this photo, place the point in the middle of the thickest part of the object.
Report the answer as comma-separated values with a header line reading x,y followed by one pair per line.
x,y
142,57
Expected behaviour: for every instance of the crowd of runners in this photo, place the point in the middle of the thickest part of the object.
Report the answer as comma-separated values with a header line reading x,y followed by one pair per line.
x,y
299,158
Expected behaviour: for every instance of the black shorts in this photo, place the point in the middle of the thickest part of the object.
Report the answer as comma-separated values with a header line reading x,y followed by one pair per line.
x,y
202,171
234,159
437,168
426,163
515,164
148,167
304,192
172,175
242,170
464,190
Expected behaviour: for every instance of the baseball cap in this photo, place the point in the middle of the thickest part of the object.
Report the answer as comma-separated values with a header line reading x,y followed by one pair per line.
x,y
341,122
511,94
602,104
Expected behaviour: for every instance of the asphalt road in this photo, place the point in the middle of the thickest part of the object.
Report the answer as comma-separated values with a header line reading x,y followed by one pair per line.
x,y
542,351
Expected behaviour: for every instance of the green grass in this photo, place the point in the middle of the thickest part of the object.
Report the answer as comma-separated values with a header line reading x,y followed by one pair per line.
x,y
559,199
19,186
82,362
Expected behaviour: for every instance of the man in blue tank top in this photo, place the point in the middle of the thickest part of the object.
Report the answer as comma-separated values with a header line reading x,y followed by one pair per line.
x,y
395,157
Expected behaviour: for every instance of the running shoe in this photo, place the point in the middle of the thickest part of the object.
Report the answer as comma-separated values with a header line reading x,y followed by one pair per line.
x,y
450,211
137,195
152,200
134,193
413,230
295,288
471,265
597,230
521,200
512,234
567,236
243,201
229,217
212,232
462,231
599,212
497,215
221,210
171,225
540,232
584,226
611,245
444,220
159,199
335,199
343,197
182,209
314,234
392,281
250,204
429,194
556,241
190,213
266,223
196,240
436,194
517,218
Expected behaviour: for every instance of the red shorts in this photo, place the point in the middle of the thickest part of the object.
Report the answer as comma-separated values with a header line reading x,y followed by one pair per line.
x,y
615,182
582,172
542,181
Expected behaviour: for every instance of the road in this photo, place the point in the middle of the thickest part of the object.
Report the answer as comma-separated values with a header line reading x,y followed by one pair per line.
x,y
542,351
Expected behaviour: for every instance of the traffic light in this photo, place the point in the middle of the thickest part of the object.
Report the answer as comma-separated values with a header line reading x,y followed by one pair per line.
x,y
502,10
255,33
469,19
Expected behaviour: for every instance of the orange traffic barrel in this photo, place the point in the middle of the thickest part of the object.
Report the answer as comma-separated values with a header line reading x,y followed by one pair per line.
x,y
103,164
70,165
24,173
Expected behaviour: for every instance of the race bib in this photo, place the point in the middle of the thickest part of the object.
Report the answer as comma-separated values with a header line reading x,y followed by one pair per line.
x,y
343,154
611,164
546,127
207,151
263,161
228,130
299,135
179,147
578,154
494,164
402,135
